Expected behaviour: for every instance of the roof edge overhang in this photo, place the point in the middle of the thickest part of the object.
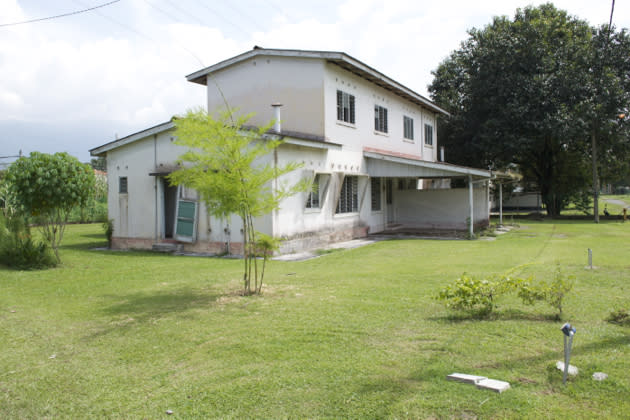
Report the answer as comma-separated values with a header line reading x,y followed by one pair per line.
x,y
293,138
431,169
341,59
157,129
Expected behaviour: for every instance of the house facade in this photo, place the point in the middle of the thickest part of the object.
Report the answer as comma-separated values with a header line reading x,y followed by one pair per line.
x,y
368,144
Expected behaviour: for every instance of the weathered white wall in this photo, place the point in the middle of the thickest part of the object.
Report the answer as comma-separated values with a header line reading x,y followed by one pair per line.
x,y
254,84
441,208
362,134
140,214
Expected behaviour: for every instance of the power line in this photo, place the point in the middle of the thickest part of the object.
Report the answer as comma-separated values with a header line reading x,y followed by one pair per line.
x,y
76,12
129,28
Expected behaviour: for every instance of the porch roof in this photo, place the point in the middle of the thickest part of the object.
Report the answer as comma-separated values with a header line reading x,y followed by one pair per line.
x,y
382,164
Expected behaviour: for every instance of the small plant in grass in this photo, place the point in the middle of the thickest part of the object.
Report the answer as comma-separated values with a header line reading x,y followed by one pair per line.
x,y
470,294
266,246
19,250
108,228
619,316
474,295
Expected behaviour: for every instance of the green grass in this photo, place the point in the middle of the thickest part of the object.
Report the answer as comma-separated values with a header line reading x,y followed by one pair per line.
x,y
352,334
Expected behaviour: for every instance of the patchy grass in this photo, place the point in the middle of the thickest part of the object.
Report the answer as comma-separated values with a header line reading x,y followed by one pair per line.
x,y
353,334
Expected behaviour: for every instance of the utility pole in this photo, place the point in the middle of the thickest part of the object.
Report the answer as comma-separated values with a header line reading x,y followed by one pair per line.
x,y
595,123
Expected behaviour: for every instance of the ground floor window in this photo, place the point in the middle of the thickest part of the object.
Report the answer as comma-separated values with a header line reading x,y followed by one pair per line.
x,y
349,196
375,187
312,201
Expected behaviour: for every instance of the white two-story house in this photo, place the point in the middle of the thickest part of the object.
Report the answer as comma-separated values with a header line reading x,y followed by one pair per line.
x,y
368,143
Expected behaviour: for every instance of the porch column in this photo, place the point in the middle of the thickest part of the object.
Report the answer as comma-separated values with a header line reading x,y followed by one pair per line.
x,y
470,204
500,204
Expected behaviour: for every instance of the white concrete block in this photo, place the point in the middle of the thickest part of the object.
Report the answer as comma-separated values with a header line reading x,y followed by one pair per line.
x,y
493,385
462,377
573,371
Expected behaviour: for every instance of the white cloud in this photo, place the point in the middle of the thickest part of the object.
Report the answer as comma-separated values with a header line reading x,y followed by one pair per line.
x,y
131,70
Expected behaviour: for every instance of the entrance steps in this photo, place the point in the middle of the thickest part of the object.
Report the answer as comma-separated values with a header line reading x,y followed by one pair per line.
x,y
167,247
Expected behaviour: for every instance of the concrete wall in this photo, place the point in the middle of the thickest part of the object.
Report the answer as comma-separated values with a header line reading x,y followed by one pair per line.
x,y
440,208
139,215
362,134
253,85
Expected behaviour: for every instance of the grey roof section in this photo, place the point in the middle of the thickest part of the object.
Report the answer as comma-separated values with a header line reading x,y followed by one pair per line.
x,y
341,59
383,165
158,129
289,137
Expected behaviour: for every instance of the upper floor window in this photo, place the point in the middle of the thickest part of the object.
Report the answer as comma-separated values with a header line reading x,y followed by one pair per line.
x,y
349,195
122,185
312,202
408,127
428,135
345,107
380,118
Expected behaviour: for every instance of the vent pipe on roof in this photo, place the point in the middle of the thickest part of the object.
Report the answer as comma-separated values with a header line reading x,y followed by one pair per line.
x,y
277,125
441,153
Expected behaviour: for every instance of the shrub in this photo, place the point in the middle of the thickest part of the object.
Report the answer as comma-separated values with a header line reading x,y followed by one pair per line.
x,y
469,294
108,228
19,250
620,316
473,295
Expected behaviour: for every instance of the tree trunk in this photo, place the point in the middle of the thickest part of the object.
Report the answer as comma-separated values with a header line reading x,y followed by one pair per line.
x,y
595,177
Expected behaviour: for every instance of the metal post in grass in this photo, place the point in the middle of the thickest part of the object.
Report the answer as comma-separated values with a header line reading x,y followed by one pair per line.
x,y
568,332
590,258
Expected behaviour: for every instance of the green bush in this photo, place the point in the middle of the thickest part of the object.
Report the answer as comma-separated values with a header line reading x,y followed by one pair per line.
x,y
620,316
108,228
19,250
479,296
469,294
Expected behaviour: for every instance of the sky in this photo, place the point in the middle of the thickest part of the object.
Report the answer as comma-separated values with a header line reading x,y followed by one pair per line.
x,y
74,83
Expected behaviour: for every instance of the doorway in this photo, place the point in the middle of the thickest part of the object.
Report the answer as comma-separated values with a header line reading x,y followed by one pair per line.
x,y
170,205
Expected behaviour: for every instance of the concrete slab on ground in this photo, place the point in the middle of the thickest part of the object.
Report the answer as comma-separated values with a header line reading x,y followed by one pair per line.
x,y
493,385
463,377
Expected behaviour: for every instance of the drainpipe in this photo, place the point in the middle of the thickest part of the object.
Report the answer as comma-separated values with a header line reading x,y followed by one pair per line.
x,y
470,202
277,125
155,187
441,153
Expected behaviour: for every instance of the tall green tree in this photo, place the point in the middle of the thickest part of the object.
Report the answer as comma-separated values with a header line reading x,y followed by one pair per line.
x,y
517,91
48,187
604,108
232,170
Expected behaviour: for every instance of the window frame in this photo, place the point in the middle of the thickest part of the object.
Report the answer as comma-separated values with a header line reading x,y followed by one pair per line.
x,y
428,135
348,195
123,185
312,204
375,194
346,107
408,128
380,119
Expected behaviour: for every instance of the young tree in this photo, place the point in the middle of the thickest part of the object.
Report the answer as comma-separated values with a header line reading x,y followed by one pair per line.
x,y
225,163
49,187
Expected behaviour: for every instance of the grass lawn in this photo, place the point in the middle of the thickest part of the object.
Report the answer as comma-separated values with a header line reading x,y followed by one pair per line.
x,y
352,334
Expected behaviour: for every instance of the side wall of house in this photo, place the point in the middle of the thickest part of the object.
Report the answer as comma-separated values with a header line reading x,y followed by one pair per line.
x,y
362,133
254,84
441,208
140,215
302,227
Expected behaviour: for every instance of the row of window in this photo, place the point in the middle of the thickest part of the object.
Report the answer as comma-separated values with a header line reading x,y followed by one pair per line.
x,y
348,196
346,113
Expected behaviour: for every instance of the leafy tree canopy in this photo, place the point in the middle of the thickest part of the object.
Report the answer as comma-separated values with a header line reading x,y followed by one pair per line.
x,y
518,92
49,187
231,169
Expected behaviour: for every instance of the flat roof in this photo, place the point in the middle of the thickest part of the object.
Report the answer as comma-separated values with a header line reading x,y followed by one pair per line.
x,y
340,59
